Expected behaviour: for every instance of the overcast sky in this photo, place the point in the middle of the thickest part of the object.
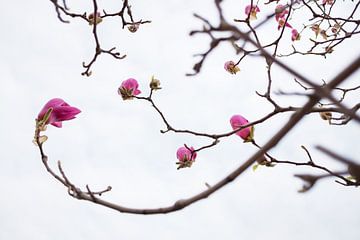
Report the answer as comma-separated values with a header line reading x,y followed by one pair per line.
x,y
118,143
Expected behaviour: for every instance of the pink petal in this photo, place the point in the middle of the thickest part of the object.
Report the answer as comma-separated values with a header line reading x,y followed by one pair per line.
x,y
57,124
247,9
61,111
136,92
236,122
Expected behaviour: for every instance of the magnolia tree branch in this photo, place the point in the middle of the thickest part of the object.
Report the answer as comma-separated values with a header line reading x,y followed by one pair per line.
x,y
237,34
94,19
321,23
94,196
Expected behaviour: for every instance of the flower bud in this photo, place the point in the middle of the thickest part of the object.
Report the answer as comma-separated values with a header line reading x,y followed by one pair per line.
x,y
247,134
186,157
295,35
94,19
231,67
154,84
133,27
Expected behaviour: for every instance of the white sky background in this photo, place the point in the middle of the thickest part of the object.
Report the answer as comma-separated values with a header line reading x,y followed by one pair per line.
x,y
118,143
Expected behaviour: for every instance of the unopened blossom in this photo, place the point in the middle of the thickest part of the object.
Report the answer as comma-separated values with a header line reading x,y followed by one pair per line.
x,y
280,12
247,133
186,157
295,35
55,112
252,10
231,67
282,22
97,19
133,27
154,84
128,89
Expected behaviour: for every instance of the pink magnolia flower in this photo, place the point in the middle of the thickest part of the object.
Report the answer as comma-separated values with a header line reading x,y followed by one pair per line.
x,y
186,157
97,19
236,122
252,10
282,22
60,111
231,67
280,12
128,89
295,35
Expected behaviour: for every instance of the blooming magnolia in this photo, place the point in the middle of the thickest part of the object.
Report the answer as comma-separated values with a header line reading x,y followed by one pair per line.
x,y
94,20
128,89
186,157
280,12
252,10
282,22
295,35
56,111
231,67
281,16
247,134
